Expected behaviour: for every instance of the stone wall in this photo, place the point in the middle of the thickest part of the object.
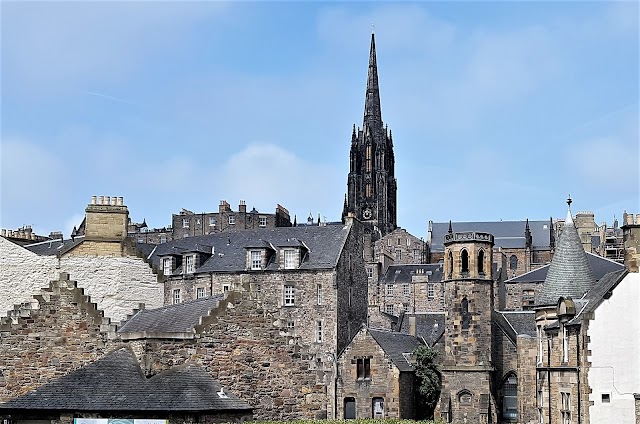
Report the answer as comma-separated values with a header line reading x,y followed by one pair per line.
x,y
519,296
384,379
527,356
116,284
247,351
60,332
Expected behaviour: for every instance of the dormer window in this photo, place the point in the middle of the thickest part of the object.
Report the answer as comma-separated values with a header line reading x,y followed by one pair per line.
x,y
167,266
189,264
290,259
263,221
256,259
232,219
185,222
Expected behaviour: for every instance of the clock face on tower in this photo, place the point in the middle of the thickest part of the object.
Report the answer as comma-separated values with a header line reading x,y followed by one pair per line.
x,y
366,214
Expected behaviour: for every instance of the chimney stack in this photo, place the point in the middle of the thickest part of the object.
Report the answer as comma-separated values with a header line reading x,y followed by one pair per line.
x,y
412,325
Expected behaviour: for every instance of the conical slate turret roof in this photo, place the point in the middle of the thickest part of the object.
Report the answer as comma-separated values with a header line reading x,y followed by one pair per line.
x,y
570,274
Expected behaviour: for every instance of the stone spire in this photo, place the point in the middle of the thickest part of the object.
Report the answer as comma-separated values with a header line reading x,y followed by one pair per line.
x,y
570,274
372,111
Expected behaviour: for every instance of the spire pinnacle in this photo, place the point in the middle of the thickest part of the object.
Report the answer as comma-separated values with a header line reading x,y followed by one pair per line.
x,y
372,112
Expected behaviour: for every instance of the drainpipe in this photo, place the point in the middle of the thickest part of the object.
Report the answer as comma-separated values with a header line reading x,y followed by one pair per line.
x,y
549,376
578,372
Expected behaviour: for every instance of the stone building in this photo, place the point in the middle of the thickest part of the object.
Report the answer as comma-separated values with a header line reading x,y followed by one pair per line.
x,y
25,235
313,276
371,183
584,340
631,240
526,245
412,288
375,377
111,268
115,387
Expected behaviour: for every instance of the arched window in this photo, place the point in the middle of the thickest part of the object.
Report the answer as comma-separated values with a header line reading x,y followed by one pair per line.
x,y
481,262
368,158
464,258
510,398
513,262
450,264
465,396
464,312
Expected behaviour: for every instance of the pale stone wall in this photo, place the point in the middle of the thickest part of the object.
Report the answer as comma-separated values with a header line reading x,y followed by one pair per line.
x,y
614,339
22,274
116,284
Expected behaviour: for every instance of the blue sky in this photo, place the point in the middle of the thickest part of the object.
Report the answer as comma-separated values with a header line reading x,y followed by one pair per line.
x,y
498,109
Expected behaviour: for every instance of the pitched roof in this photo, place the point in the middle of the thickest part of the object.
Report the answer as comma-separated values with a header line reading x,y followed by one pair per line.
x,y
507,234
515,323
395,344
53,247
597,294
325,245
116,383
570,274
401,274
180,318
599,265
429,326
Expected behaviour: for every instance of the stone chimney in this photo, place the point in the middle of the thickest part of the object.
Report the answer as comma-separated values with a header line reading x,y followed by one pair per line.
x,y
106,219
242,207
412,325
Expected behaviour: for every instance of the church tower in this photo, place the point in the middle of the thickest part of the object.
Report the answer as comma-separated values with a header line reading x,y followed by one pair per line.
x,y
371,185
467,363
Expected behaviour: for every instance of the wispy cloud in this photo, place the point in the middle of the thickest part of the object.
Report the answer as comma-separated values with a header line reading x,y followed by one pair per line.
x,y
108,97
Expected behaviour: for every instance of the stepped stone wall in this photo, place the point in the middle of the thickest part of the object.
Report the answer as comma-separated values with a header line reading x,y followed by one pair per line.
x,y
116,284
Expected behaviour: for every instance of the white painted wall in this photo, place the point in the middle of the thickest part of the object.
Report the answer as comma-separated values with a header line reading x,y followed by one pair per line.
x,y
117,285
615,354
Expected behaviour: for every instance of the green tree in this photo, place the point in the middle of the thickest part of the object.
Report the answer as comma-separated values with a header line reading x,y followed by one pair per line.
x,y
428,378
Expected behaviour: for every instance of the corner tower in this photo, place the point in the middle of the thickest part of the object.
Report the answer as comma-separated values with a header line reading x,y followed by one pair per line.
x,y
371,184
467,363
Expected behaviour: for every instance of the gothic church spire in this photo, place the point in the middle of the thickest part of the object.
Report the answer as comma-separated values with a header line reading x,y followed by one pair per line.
x,y
372,111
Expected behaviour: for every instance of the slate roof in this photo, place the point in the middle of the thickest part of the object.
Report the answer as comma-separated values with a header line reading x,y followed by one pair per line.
x,y
507,234
401,274
116,383
596,295
569,273
180,318
325,245
53,247
395,344
515,323
599,265
429,326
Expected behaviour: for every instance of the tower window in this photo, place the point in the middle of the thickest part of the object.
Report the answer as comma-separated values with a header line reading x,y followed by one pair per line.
x,y
368,158
464,256
481,262
368,189
513,262
450,265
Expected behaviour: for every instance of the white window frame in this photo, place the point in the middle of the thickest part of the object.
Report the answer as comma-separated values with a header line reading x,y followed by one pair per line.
x,y
416,255
256,259
262,221
565,344
369,272
319,293
176,296
319,332
406,290
167,266
291,326
185,222
398,255
431,290
289,295
389,291
189,264
388,308
212,221
232,220
200,293
290,261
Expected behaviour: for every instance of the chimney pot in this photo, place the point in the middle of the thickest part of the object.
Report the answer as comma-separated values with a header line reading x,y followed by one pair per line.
x,y
93,200
4,232
120,201
100,200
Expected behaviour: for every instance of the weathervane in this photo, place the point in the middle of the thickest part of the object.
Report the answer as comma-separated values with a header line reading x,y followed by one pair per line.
x,y
569,200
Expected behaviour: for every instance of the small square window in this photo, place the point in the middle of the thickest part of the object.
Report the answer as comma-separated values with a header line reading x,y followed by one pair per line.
x,y
291,325
199,292
389,308
263,221
606,398
232,219
212,221
185,222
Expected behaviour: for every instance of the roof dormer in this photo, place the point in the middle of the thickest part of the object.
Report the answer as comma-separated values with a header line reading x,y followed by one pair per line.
x,y
259,253
292,253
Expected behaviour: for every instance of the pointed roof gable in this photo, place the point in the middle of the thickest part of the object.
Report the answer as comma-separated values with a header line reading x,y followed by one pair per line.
x,y
570,274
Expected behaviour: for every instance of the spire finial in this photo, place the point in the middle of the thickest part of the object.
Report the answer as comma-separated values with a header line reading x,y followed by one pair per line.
x,y
569,201
373,28
450,228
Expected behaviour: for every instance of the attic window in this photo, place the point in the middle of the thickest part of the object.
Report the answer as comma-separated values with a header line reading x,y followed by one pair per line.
x,y
256,259
363,368
290,260
190,264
